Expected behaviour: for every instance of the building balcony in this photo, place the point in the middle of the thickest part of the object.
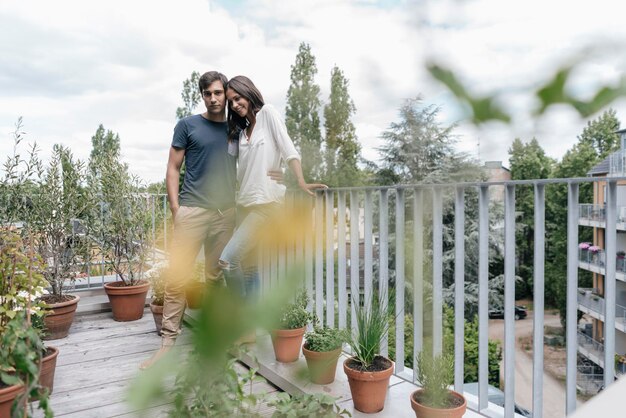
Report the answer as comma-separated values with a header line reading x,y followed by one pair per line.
x,y
593,304
595,261
595,216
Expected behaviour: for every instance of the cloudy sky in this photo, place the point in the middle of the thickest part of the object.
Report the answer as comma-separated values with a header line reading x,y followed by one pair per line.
x,y
67,66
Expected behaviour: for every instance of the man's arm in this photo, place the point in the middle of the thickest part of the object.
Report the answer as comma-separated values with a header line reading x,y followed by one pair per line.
x,y
174,162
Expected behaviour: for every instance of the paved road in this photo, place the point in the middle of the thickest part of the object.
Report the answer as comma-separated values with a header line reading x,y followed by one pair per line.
x,y
553,390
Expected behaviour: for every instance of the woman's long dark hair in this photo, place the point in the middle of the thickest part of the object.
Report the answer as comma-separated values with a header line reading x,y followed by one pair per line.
x,y
246,89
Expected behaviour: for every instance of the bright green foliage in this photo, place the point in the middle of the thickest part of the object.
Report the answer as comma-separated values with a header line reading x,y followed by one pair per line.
x,y
483,109
295,314
302,113
342,147
595,143
156,277
371,323
527,161
323,339
317,405
601,134
434,373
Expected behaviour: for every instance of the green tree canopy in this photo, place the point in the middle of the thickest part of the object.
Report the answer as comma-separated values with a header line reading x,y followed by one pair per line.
x,y
302,113
342,147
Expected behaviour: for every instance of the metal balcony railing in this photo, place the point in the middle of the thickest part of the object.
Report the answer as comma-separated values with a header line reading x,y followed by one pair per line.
x,y
390,239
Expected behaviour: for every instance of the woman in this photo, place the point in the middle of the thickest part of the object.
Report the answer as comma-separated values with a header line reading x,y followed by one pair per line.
x,y
263,143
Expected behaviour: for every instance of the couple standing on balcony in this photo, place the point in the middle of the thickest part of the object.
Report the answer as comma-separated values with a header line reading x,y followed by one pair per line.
x,y
247,147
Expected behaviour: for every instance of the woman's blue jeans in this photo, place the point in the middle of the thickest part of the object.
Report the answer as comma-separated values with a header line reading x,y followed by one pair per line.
x,y
239,258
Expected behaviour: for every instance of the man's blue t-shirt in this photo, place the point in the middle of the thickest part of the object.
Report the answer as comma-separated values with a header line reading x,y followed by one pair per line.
x,y
211,171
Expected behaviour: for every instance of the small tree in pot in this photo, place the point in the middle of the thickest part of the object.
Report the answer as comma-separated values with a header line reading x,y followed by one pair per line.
x,y
434,399
288,335
123,227
369,372
322,348
53,218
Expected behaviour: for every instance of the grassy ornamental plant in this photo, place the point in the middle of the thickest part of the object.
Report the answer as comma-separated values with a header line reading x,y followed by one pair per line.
x,y
435,374
372,325
323,339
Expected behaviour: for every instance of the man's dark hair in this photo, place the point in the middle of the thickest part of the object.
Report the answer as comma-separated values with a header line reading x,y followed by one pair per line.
x,y
209,77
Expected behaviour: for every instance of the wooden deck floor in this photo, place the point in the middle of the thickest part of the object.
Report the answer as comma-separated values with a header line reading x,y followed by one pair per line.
x,y
98,361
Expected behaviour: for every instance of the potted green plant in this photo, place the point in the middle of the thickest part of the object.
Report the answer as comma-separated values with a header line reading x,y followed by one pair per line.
x,y
53,219
434,400
21,348
367,370
321,349
287,336
156,278
318,405
123,229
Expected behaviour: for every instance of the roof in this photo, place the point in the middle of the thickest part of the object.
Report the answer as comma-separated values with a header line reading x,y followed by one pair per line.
x,y
601,168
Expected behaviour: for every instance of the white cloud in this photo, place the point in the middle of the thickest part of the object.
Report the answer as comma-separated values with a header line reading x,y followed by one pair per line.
x,y
70,65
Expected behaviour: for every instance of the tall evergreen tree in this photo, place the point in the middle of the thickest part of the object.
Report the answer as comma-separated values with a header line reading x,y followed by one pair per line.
x,y
342,147
527,161
190,95
302,113
105,146
419,149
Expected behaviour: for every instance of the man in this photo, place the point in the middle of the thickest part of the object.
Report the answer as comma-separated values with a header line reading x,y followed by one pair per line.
x,y
204,209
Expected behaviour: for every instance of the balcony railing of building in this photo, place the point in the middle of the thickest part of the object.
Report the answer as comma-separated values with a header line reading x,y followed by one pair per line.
x,y
339,259
617,163
595,215
591,300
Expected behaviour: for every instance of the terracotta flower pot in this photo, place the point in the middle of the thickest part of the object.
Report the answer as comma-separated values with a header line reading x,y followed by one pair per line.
x,y
322,365
368,389
157,314
48,367
7,396
127,302
59,318
287,344
422,411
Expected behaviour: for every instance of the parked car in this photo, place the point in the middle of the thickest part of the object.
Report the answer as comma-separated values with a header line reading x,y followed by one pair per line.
x,y
495,396
520,312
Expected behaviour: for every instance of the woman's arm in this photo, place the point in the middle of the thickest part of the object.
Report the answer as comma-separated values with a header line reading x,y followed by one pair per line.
x,y
296,167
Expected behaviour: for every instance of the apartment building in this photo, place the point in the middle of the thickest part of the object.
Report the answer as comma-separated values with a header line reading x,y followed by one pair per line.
x,y
592,257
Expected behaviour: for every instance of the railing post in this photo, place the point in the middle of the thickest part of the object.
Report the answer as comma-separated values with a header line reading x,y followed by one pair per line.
x,y
354,256
509,301
330,260
383,259
483,297
418,274
459,288
308,249
368,253
610,258
538,299
399,280
571,307
319,256
341,258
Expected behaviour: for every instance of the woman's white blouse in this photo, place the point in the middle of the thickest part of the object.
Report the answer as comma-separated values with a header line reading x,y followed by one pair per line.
x,y
268,146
